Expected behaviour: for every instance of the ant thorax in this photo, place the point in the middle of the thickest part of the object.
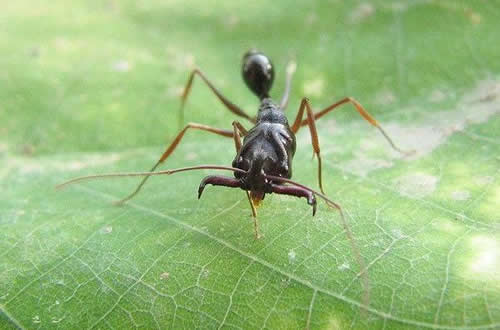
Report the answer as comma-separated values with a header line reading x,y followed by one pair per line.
x,y
270,112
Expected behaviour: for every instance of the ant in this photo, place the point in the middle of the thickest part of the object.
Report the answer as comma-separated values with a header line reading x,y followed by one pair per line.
x,y
263,161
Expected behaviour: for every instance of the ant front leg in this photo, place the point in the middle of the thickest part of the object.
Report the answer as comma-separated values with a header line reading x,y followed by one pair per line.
x,y
171,148
239,131
304,105
216,180
229,105
363,113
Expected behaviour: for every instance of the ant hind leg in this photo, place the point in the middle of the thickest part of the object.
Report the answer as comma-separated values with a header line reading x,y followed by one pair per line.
x,y
229,105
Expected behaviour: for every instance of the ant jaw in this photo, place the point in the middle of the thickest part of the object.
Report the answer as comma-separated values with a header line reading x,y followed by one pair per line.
x,y
311,200
200,189
218,180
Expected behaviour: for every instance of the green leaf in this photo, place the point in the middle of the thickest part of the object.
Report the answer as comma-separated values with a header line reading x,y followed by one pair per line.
x,y
92,87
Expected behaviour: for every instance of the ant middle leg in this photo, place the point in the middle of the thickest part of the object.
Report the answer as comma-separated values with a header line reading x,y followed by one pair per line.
x,y
229,105
363,113
170,149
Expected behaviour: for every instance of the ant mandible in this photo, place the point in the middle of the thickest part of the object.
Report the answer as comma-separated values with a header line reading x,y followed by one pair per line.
x,y
263,162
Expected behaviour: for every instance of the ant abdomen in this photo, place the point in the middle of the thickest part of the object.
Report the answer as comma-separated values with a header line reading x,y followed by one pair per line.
x,y
258,73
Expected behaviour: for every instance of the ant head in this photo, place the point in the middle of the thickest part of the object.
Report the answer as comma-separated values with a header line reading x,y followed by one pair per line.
x,y
258,73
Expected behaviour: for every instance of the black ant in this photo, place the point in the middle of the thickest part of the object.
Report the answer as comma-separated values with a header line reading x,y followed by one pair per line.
x,y
263,162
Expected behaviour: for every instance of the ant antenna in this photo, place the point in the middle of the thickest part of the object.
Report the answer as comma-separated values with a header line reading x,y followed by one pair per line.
x,y
131,174
364,278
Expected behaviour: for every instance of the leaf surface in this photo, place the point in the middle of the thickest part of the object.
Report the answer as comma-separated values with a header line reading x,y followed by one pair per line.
x,y
90,88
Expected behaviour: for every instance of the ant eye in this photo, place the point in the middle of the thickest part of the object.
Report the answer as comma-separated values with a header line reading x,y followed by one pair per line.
x,y
258,73
242,163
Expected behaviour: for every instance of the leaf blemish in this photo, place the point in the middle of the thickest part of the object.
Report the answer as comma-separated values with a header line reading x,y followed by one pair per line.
x,y
311,18
3,147
484,180
361,13
344,266
106,230
231,21
191,156
446,225
485,258
460,195
363,165
475,107
398,233
121,66
415,185
56,320
437,96
334,324
291,256
385,97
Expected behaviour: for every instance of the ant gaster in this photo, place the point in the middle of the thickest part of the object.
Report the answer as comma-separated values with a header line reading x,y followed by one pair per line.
x,y
263,162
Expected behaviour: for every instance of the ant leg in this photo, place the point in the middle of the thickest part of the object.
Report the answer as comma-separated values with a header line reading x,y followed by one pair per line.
x,y
254,217
229,105
290,70
361,110
238,131
171,149
304,105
